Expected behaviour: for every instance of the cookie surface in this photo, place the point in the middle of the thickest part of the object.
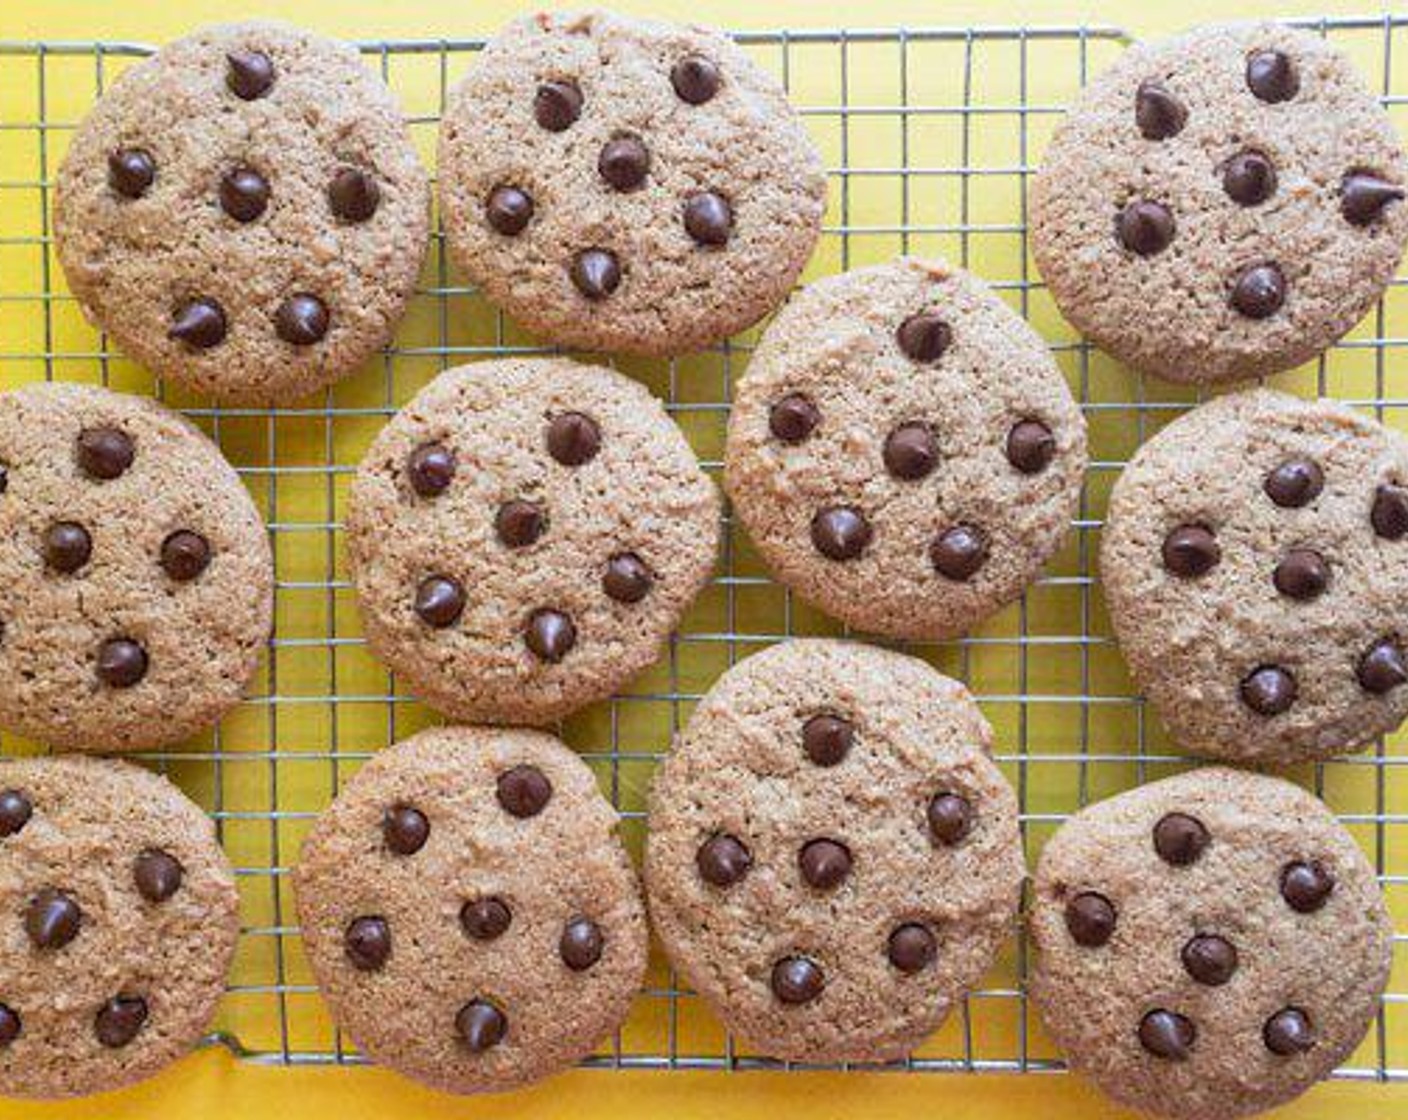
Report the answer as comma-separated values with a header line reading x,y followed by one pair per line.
x,y
524,535
903,450
833,858
1253,561
136,578
121,919
1209,945
469,911
1221,205
625,185
244,212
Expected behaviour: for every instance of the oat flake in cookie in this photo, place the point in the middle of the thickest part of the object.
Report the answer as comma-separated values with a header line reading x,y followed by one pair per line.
x,y
625,185
1209,945
903,450
121,917
136,579
1255,564
469,911
244,213
1221,205
524,535
833,858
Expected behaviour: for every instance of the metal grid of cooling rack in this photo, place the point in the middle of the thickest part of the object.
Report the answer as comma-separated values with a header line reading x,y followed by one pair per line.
x,y
1052,734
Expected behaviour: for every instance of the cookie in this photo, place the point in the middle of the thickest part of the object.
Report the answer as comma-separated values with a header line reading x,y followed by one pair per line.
x,y
136,578
625,185
903,450
833,858
469,911
121,917
1221,205
524,535
1255,564
1209,945
244,213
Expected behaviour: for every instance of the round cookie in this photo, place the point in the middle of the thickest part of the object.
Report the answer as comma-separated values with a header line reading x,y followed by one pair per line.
x,y
136,578
469,911
903,450
244,212
1255,564
524,535
1221,205
1209,945
625,185
833,858
121,917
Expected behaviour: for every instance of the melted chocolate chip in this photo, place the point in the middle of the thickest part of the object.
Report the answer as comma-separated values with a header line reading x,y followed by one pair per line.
x,y
1210,959
353,195
840,533
157,874
557,105
596,273
1294,483
1305,886
405,829
1389,515
1382,668
959,552
1268,690
1090,919
1288,1032
52,919
1364,196
793,418
1259,292
573,438
485,918
1180,839
1249,178
722,860
440,601
481,1025
15,811
911,451
950,818
1157,112
1030,446
1167,1034
118,1021
824,863
519,524
797,980
302,319
184,555
696,79
580,944
250,74
523,791
924,337
244,193
550,634
430,468
10,1025
1271,76
912,947
1302,574
67,547
104,453
509,210
131,171
200,324
627,579
624,162
1145,228
827,739
367,942
708,218
122,663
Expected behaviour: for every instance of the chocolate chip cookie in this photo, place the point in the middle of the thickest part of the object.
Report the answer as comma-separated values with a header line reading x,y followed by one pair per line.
x,y
244,212
1221,205
1209,946
1255,563
625,185
524,535
903,449
833,858
136,578
121,917
469,911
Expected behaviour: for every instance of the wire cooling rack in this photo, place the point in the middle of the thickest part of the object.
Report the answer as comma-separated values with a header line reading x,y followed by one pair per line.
x,y
930,137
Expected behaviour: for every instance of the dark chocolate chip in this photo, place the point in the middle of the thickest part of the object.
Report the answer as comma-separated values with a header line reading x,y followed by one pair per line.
x,y
509,210
1271,76
4,478
52,919
924,337
1210,959
131,171
912,947
1180,839
119,1020
580,944
1090,919
157,874
596,273
244,193
104,453
485,918
353,195
15,811
573,438
122,663
10,1025
1167,1034
1302,574
405,829
439,601
1268,690
627,579
184,555
1259,292
824,863
557,105
67,546
950,818
957,553
624,162
1030,446
1295,483
524,791
250,74
840,533
1364,196
1389,515
911,451
199,323
550,634
367,942
430,468
696,79
518,524
797,980
1145,228
1382,668
793,418
1305,886
1157,112
708,218
1249,178
1288,1032
481,1025
722,860
302,319
827,739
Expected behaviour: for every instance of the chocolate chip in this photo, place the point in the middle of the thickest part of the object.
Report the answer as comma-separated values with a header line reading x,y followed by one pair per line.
x,y
439,601
1364,196
353,195
509,210
1167,1034
52,919
67,546
827,739
840,533
1180,839
119,1020
1210,959
4,478
1090,919
430,468
1249,178
708,218
550,634
959,552
1190,551
1030,446
518,524
1305,886
121,662
912,947
1302,574
924,337
405,829
1288,1032
596,273
244,194
950,818
524,791
1145,228
184,555
627,579
1157,112
301,319
797,980
573,438
1259,292
1390,513
824,863
9,1025
481,1025
1295,483
557,105
367,943
1271,76
581,944
624,162
199,323
695,79
1382,668
131,171
911,451
1268,690
722,860
104,453
793,418
15,811
250,74
485,918
157,874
